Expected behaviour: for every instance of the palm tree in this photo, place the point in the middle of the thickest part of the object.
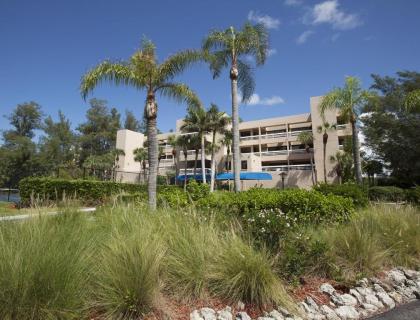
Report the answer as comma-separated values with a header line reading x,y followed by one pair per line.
x,y
196,145
217,122
227,142
141,155
225,49
307,139
184,143
342,161
172,142
196,121
324,129
142,71
348,100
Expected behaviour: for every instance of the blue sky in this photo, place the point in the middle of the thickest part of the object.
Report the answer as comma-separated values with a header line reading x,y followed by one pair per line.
x,y
46,46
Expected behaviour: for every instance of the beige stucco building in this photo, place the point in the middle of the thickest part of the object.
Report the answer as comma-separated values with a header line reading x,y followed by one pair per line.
x,y
267,145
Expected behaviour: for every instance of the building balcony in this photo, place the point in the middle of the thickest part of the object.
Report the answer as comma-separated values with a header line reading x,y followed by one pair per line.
x,y
287,168
268,136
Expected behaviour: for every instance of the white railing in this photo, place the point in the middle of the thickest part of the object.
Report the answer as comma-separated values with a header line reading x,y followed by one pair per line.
x,y
274,153
273,135
190,171
297,150
296,133
287,168
341,126
249,138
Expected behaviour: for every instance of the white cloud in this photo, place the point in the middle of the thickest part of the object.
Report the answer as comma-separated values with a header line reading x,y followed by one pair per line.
x,y
271,52
329,12
257,100
304,36
293,3
266,20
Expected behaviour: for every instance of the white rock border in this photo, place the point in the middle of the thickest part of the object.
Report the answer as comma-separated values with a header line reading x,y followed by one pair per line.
x,y
369,297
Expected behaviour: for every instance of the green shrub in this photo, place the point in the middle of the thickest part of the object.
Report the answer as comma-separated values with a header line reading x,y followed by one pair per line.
x,y
389,193
45,268
352,191
197,190
413,195
271,214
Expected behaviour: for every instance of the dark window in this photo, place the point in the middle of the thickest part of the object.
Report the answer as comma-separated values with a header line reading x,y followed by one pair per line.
x,y
244,165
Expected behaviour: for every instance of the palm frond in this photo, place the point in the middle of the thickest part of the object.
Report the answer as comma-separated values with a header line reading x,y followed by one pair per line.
x,y
177,63
329,101
218,61
180,93
246,82
118,73
217,40
253,40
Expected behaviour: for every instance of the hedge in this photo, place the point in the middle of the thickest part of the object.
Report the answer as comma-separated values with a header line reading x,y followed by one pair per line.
x,y
388,193
86,191
303,206
352,191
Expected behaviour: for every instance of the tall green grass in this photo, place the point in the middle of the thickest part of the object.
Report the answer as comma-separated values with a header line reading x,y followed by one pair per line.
x,y
44,268
376,238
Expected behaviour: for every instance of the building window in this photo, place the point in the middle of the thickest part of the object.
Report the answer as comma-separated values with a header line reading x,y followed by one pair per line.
x,y
244,165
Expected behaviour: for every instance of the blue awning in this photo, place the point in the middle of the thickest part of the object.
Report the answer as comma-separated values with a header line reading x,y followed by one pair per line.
x,y
246,176
197,177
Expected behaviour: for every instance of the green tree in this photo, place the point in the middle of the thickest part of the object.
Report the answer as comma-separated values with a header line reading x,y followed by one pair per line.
x,y
343,163
130,122
25,119
391,125
142,71
183,142
58,146
217,122
99,133
307,139
227,142
349,100
372,167
196,121
324,129
227,49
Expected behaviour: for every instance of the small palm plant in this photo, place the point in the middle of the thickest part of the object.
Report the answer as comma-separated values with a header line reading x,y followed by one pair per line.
x,y
324,129
226,49
196,121
349,100
140,155
307,139
184,143
143,72
218,121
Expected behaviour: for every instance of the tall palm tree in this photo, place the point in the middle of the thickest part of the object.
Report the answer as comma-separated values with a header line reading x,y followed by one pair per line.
x,y
196,121
324,129
172,142
227,142
196,145
184,143
226,49
307,139
217,122
143,72
349,100
141,155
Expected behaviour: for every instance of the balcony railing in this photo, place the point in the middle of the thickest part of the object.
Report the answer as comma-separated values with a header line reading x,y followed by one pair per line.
x,y
246,138
341,126
287,168
190,171
296,133
274,153
298,151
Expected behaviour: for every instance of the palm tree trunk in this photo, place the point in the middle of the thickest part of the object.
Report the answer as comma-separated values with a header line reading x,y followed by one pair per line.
x,y
151,114
235,129
203,158
195,162
228,160
325,140
213,162
312,167
356,153
185,169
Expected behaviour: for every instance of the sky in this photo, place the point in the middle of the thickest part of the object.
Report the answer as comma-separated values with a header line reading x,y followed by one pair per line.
x,y
47,45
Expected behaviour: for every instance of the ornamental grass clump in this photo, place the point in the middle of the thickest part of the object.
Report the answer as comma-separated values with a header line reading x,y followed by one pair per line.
x,y
45,265
127,281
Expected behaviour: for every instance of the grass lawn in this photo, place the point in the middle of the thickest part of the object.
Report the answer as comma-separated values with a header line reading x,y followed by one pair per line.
x,y
9,209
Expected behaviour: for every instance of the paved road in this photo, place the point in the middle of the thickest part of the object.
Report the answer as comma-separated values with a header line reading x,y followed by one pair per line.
x,y
410,311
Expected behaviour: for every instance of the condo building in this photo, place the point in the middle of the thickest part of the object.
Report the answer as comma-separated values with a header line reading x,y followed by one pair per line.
x,y
267,145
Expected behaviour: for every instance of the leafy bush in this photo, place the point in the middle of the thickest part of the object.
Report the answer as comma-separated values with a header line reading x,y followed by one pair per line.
x,y
389,193
197,190
352,191
45,268
413,195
